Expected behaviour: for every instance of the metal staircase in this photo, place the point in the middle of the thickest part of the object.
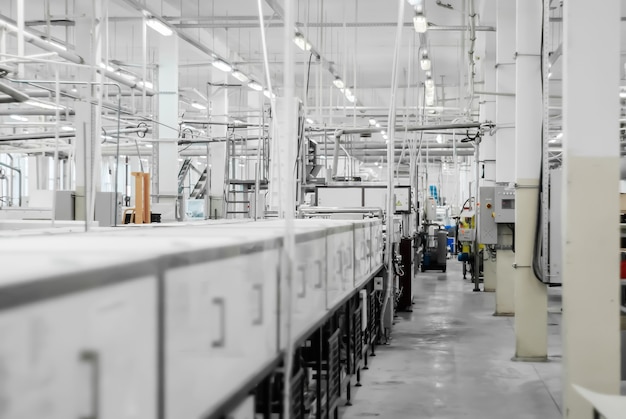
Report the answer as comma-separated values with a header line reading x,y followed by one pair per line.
x,y
199,189
182,174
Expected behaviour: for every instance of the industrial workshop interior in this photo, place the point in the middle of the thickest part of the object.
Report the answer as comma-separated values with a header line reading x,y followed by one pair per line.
x,y
299,209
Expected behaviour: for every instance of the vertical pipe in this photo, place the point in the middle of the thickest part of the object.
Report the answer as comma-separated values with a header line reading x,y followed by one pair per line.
x,y
286,154
20,36
476,219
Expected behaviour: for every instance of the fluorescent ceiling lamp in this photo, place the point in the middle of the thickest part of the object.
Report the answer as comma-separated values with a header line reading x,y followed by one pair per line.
x,y
240,76
106,67
349,95
67,128
425,64
147,84
428,74
238,121
310,121
338,83
18,118
198,106
559,136
622,95
255,86
268,94
159,26
148,145
385,137
301,42
420,23
377,125
43,105
383,132
126,76
56,44
439,139
429,83
372,121
223,66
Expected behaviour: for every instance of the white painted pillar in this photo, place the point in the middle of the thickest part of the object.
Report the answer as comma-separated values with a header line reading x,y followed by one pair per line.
x,y
167,174
87,120
505,147
488,144
591,111
531,296
218,110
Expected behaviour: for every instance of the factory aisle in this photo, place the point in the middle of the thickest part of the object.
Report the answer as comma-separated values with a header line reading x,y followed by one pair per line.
x,y
451,358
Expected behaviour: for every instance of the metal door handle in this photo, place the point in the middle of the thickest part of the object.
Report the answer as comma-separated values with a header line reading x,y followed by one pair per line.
x,y
91,358
219,343
302,269
259,289
320,276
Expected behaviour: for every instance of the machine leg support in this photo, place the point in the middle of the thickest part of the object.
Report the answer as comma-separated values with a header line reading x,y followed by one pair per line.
x,y
358,378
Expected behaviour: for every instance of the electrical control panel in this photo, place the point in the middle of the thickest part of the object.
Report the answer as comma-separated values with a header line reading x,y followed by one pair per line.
x,y
487,228
505,205
466,234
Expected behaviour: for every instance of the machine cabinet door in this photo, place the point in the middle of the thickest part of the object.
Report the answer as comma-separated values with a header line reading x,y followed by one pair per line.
x,y
89,354
205,350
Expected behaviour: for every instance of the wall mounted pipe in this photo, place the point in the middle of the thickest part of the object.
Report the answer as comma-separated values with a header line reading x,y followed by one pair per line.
x,y
340,132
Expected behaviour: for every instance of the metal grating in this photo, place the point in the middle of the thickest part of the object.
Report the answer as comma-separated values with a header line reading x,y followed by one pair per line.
x,y
334,369
358,337
297,395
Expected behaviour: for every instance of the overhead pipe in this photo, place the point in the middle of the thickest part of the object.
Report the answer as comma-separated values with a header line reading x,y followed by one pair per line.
x,y
10,26
346,131
15,94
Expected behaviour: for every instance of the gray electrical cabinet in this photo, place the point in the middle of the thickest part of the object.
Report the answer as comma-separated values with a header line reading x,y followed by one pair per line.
x,y
487,227
505,205
64,205
107,205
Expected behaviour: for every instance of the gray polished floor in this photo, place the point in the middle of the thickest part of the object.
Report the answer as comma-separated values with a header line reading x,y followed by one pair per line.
x,y
451,358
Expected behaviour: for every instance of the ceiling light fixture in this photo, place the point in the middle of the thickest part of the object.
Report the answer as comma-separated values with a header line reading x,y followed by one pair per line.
x,y
199,106
310,121
420,23
255,86
240,76
385,137
351,98
425,63
222,65
439,139
43,105
107,67
372,121
377,125
159,26
430,83
67,128
338,83
301,42
18,118
145,84
268,94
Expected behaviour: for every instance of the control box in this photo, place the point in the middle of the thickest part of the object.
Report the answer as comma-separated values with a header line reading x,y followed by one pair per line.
x,y
487,227
466,234
505,205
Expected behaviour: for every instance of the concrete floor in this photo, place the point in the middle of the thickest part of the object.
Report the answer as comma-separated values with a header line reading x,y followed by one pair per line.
x,y
451,358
